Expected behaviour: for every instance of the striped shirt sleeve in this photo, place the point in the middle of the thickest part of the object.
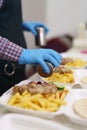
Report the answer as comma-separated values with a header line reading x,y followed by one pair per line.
x,y
9,50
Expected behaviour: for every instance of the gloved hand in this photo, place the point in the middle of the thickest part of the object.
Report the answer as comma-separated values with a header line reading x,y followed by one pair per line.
x,y
31,26
40,56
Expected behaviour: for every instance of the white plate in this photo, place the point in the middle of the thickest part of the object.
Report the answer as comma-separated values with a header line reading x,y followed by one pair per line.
x,y
78,74
75,56
23,122
5,97
69,112
64,110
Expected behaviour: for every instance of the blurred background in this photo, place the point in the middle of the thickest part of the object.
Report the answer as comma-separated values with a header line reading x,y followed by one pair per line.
x,y
62,17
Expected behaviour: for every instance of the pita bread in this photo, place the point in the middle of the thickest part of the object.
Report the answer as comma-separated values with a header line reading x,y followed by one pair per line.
x,y
80,107
84,79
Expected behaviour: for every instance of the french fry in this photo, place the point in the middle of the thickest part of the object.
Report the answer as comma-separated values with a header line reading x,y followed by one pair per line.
x,y
64,78
40,102
77,63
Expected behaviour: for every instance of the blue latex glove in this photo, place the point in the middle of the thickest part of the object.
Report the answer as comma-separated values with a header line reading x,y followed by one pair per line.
x,y
40,56
31,26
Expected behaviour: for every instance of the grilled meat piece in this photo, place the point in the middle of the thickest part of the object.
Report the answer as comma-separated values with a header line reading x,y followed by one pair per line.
x,y
62,69
66,60
36,87
19,89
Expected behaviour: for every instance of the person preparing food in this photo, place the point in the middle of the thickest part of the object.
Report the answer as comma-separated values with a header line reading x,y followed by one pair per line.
x,y
12,27
11,52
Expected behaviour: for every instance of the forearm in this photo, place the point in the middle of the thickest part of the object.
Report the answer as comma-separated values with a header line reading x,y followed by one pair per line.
x,y
9,50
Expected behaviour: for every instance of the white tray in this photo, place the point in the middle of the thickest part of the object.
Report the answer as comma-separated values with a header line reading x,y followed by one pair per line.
x,y
78,74
12,121
23,122
75,56
64,110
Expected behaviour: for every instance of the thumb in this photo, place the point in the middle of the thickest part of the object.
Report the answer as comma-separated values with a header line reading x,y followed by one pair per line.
x,y
45,67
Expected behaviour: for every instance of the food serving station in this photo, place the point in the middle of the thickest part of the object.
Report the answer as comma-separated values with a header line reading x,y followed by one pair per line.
x,y
65,118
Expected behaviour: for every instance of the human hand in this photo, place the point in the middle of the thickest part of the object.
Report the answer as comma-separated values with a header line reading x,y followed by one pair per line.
x,y
40,56
31,26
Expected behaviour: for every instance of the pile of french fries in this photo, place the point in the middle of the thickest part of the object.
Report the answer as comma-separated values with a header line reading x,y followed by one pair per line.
x,y
63,78
40,102
77,63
